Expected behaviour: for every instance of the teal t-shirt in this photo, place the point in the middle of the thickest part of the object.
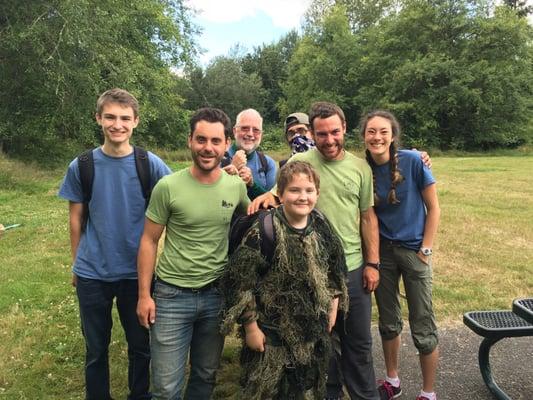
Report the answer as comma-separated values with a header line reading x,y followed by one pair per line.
x,y
197,217
345,190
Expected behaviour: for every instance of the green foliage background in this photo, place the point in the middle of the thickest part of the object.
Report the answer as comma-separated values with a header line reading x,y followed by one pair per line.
x,y
458,73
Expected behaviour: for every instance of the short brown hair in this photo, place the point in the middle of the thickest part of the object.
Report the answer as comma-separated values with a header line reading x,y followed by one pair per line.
x,y
120,96
287,172
324,109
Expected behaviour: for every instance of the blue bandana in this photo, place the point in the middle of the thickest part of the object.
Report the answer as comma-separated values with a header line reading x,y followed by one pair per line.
x,y
300,144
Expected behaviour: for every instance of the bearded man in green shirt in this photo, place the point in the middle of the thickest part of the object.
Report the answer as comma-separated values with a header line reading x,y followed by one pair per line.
x,y
195,205
347,200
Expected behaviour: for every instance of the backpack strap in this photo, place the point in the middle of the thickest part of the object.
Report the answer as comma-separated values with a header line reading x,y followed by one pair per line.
x,y
226,160
86,170
263,160
142,165
267,234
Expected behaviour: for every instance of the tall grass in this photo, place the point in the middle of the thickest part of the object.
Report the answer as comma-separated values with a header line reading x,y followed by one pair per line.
x,y
483,259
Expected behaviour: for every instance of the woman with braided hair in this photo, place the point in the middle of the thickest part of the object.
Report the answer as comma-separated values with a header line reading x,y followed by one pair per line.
x,y
408,211
288,306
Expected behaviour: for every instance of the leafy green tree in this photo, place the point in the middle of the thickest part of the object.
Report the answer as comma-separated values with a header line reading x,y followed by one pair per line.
x,y
323,66
58,56
456,79
270,62
225,85
361,14
522,8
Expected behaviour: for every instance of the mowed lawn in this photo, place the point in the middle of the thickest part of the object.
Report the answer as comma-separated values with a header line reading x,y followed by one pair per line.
x,y
483,259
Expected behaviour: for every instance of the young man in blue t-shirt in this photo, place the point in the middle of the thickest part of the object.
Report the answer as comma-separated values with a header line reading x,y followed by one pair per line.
x,y
104,245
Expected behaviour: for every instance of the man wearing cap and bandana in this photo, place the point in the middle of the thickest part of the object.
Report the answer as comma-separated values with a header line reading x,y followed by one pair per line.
x,y
297,134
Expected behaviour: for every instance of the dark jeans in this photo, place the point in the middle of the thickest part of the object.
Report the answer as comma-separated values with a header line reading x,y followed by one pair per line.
x,y
355,366
96,302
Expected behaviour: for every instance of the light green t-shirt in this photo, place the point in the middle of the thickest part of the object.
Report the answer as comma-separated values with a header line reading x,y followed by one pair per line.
x,y
345,190
197,218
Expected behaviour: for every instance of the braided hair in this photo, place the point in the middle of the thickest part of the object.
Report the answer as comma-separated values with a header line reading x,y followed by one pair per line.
x,y
396,176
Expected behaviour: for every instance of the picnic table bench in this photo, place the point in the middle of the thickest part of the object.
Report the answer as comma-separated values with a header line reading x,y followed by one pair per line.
x,y
497,325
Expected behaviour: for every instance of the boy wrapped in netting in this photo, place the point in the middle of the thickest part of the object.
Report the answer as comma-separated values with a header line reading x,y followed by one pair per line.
x,y
288,305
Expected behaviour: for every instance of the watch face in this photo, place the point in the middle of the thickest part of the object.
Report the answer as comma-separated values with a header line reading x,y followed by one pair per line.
x,y
426,252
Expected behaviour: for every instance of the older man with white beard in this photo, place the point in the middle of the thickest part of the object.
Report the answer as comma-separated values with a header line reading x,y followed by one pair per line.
x,y
256,169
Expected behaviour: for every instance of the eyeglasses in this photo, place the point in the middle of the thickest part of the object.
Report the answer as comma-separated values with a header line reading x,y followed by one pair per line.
x,y
248,129
300,131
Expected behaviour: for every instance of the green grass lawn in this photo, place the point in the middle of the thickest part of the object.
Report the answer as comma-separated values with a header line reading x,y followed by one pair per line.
x,y
483,259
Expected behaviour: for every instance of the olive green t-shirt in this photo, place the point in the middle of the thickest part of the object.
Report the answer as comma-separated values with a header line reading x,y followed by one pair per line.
x,y
345,190
197,217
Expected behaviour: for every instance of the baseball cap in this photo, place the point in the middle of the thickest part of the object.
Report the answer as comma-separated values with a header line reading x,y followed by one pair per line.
x,y
296,118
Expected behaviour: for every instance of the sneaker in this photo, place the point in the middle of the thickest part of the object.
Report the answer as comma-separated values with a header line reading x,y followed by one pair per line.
x,y
420,397
388,392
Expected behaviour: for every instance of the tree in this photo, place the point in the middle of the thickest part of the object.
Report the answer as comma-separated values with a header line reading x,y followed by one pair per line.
x,y
522,8
58,56
225,85
456,79
322,67
270,62
361,14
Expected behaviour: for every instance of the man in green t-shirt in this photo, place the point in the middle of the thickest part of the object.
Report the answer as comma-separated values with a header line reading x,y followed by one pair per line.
x,y
195,206
346,198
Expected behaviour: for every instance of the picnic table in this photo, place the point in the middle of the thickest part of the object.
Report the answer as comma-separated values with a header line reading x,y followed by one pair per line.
x,y
494,326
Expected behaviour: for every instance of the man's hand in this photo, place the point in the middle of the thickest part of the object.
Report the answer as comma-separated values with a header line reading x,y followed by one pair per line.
x,y
426,159
246,175
332,317
74,280
423,258
255,338
370,279
264,201
239,159
146,311
231,169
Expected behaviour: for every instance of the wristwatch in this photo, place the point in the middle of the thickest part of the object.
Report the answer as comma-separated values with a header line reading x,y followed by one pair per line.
x,y
426,251
373,265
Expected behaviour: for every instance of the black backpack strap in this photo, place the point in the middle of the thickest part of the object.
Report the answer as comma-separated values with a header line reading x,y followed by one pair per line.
x,y
226,160
142,164
267,234
86,170
263,160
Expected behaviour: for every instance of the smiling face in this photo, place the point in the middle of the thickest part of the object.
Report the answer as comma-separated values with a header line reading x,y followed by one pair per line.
x,y
328,134
378,137
208,144
299,198
117,122
248,131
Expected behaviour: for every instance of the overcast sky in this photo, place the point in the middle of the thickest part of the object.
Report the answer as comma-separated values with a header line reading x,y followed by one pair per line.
x,y
247,22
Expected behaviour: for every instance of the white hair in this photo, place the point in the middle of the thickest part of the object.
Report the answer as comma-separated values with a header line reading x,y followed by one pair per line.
x,y
248,111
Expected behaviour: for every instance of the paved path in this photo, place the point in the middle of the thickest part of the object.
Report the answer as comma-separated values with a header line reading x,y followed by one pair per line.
x,y
458,376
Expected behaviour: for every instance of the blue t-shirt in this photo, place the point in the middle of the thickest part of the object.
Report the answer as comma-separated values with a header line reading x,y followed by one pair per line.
x,y
403,222
108,247
265,180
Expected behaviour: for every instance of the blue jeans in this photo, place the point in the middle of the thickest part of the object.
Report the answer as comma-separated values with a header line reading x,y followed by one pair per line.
x,y
187,323
96,302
